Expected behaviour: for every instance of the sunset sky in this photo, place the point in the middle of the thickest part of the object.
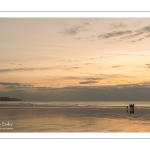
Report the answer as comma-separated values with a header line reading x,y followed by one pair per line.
x,y
75,58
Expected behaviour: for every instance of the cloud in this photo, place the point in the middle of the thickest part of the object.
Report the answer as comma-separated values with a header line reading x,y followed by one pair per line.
x,y
147,36
15,85
21,69
86,23
93,78
87,63
118,25
96,77
114,34
143,30
148,66
127,34
139,32
74,67
8,83
132,35
90,81
34,69
124,92
72,77
72,31
44,88
117,66
137,40
79,38
81,78
146,29
77,29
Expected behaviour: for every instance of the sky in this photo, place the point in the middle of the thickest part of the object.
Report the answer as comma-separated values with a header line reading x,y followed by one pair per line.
x,y
75,59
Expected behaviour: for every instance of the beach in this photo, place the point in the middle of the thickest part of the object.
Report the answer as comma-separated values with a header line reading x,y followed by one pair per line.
x,y
37,117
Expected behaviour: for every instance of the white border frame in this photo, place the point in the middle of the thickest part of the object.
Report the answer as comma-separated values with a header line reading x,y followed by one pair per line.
x,y
71,14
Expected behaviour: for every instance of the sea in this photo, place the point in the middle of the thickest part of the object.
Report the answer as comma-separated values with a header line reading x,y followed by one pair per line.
x,y
74,116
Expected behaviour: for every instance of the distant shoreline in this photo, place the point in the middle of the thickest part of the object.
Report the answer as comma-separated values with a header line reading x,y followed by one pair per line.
x,y
9,99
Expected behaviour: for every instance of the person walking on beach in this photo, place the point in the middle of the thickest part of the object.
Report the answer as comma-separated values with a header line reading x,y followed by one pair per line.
x,y
127,109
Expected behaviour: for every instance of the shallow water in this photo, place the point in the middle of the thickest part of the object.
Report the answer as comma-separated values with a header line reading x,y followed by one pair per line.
x,y
73,117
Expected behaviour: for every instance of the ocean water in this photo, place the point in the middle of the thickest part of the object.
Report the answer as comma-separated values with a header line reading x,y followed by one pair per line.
x,y
79,116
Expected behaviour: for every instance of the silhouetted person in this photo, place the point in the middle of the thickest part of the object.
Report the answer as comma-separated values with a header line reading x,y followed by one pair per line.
x,y
131,108
127,109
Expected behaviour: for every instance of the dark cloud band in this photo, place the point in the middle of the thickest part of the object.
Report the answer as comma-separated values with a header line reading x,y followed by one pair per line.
x,y
114,34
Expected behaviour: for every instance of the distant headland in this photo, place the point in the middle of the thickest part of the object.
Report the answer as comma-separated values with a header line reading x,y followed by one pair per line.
x,y
9,99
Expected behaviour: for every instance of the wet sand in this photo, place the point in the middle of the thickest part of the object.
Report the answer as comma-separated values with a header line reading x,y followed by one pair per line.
x,y
65,119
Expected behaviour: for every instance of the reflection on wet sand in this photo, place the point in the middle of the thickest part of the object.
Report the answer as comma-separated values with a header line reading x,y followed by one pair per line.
x,y
75,120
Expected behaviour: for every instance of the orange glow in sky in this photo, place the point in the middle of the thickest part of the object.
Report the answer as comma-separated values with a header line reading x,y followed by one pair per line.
x,y
69,52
